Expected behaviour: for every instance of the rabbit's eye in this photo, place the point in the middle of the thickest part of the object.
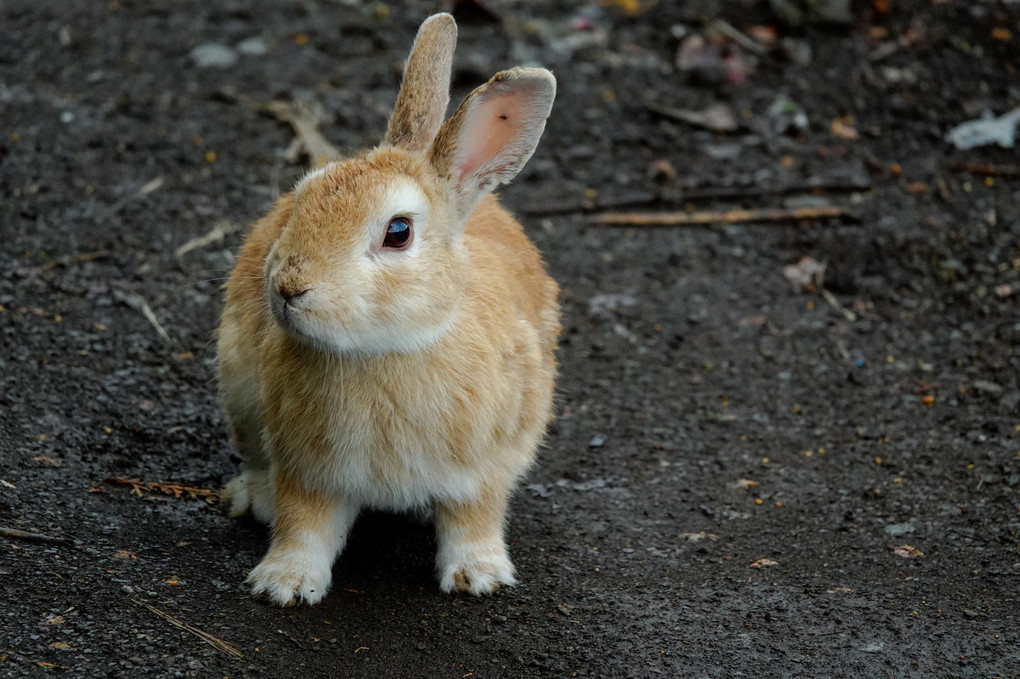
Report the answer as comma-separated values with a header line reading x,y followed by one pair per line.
x,y
398,233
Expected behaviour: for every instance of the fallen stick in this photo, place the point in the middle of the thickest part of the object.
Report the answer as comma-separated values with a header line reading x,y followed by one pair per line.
x,y
740,193
717,117
737,36
641,198
993,170
71,260
304,118
35,537
217,234
727,217
136,302
218,644
145,190
834,303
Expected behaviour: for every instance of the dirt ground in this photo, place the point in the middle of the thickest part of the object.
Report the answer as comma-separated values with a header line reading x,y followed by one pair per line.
x,y
749,474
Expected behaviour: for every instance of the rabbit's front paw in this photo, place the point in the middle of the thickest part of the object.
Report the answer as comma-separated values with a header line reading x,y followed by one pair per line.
x,y
476,574
250,491
290,578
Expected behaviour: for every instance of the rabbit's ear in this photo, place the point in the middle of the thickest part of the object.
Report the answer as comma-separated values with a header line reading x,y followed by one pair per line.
x,y
493,133
425,90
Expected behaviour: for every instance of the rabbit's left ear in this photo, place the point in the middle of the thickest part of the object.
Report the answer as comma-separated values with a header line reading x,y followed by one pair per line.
x,y
493,133
425,90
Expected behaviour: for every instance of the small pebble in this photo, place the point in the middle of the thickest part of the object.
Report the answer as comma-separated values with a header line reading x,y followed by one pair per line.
x,y
252,47
213,55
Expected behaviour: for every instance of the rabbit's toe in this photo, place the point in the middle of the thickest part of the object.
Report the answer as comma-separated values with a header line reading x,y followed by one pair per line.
x,y
292,578
477,575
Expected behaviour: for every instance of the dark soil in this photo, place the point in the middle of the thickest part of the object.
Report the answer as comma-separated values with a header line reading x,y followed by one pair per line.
x,y
881,416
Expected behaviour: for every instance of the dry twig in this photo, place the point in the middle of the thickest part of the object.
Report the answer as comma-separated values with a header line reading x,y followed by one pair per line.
x,y
711,217
146,189
304,118
989,170
71,260
216,643
136,302
739,37
704,194
173,488
218,233
35,537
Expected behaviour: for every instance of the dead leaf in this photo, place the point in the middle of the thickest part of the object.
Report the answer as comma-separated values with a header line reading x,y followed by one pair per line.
x,y
805,274
763,563
717,117
907,551
843,129
713,60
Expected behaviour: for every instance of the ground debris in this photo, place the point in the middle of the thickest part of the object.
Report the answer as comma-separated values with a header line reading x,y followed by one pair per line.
x,y
177,490
806,274
16,534
711,217
717,117
146,188
763,563
71,260
216,643
215,235
985,131
137,302
304,117
907,551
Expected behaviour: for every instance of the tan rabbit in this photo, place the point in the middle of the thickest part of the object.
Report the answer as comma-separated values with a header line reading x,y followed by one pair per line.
x,y
389,334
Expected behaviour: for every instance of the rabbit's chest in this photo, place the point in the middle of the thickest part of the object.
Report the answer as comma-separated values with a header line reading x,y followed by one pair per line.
x,y
400,445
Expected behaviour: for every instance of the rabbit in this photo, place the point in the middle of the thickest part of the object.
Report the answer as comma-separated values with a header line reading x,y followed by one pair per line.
x,y
388,336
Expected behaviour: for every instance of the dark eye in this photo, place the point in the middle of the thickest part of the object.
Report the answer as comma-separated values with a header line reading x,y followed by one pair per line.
x,y
398,233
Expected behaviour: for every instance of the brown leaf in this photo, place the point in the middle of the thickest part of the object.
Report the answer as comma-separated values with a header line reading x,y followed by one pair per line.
x,y
907,551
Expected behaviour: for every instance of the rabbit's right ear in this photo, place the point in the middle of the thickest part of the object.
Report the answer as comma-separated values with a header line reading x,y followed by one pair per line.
x,y
493,133
425,90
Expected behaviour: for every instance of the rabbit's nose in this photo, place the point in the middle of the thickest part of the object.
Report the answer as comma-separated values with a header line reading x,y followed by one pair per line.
x,y
290,292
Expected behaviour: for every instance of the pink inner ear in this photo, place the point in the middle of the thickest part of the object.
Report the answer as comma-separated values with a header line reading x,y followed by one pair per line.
x,y
491,128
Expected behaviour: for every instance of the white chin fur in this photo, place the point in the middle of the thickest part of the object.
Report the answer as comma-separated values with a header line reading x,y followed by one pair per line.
x,y
370,341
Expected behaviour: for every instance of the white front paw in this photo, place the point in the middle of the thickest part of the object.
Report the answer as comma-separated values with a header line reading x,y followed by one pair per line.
x,y
290,578
250,491
478,573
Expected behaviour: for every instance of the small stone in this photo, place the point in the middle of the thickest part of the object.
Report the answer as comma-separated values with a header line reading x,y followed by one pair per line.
x,y
252,47
986,387
213,55
897,529
597,441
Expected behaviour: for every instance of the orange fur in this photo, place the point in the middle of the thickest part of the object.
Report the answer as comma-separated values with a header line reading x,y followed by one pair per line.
x,y
356,375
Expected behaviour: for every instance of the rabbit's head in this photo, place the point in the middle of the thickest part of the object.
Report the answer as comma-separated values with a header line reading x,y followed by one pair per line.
x,y
371,258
